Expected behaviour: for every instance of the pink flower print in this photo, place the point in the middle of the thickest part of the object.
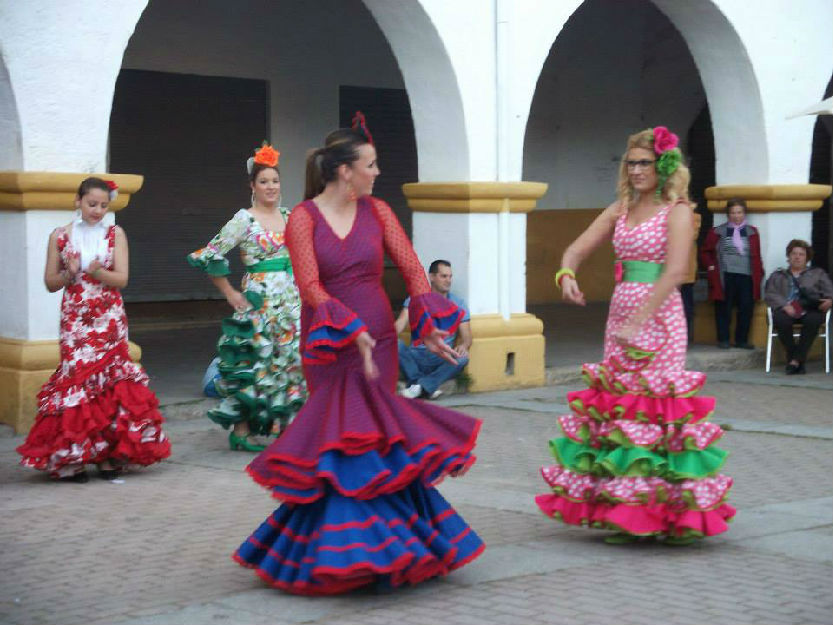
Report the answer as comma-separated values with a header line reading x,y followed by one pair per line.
x,y
664,140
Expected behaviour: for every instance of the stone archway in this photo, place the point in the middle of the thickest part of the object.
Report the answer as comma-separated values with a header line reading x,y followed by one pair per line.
x,y
726,70
436,105
11,148
606,76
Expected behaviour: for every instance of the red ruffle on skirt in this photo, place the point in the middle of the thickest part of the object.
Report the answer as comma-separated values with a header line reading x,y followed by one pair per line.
x,y
639,520
401,440
122,423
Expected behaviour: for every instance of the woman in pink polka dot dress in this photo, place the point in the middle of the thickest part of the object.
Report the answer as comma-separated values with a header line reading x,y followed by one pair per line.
x,y
638,453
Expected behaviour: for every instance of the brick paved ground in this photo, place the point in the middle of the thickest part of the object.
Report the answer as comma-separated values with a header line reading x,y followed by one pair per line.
x,y
156,548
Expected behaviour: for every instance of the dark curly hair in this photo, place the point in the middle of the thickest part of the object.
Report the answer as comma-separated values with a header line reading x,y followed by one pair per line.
x,y
800,243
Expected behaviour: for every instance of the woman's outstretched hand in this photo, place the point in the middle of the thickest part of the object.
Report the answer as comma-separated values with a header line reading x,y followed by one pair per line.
x,y
365,343
570,291
435,344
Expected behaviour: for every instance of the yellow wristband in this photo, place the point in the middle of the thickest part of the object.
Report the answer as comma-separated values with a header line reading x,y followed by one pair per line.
x,y
564,271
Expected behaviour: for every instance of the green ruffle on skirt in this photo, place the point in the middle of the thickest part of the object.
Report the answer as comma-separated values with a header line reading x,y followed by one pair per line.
x,y
694,464
637,461
575,456
632,462
256,382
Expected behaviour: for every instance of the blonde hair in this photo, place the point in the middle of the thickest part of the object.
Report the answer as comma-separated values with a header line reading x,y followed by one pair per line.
x,y
675,187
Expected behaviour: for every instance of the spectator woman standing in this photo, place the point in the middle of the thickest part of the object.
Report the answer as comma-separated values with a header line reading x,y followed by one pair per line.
x,y
731,254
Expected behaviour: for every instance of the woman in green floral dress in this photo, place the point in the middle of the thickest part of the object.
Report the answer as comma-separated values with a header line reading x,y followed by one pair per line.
x,y
261,379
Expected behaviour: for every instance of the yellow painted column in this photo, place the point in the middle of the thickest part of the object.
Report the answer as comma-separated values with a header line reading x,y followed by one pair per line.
x,y
33,201
777,203
505,353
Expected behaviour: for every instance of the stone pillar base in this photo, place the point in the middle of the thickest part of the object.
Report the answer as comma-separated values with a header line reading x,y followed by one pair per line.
x,y
506,354
24,368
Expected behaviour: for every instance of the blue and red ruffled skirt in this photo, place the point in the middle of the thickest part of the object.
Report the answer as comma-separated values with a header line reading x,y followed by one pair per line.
x,y
356,471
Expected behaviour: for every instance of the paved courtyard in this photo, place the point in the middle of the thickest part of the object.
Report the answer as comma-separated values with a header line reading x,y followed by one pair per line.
x,y
156,548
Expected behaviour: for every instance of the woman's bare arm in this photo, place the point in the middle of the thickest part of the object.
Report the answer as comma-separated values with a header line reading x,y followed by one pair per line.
x,y
55,276
596,233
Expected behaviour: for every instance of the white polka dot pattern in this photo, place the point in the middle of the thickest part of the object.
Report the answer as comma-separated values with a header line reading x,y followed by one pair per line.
x,y
665,333
705,494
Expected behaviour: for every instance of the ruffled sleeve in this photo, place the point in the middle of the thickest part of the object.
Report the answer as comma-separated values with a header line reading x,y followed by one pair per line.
x,y
427,310
212,258
333,325
431,311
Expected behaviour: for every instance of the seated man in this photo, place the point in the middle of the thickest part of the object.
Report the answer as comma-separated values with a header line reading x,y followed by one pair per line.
x,y
801,295
423,371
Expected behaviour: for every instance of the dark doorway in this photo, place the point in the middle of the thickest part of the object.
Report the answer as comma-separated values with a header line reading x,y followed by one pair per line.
x,y
821,172
189,136
701,163
388,114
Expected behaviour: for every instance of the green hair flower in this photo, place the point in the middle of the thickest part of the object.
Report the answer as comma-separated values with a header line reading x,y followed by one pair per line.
x,y
668,162
666,165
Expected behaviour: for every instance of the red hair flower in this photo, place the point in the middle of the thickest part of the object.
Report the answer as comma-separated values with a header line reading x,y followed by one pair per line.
x,y
114,189
267,155
664,140
360,124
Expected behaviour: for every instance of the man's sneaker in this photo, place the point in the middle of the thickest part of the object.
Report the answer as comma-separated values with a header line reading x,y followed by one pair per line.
x,y
411,392
435,394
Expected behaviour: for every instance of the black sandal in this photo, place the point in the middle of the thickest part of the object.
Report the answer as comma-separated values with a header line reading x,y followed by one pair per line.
x,y
109,474
79,478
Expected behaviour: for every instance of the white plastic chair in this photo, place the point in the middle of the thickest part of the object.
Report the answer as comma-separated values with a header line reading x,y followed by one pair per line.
x,y
824,333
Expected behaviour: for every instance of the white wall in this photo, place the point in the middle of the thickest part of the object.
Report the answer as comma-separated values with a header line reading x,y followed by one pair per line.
x,y
467,29
62,59
469,241
14,277
532,26
304,49
790,48
615,69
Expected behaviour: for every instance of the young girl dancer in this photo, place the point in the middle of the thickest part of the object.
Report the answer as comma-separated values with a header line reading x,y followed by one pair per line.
x,y
96,408
637,455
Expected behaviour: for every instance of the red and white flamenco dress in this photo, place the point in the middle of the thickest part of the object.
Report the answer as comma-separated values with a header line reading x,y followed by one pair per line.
x,y
97,405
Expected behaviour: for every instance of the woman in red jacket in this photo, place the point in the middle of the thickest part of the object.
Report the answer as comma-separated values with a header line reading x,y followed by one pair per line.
x,y
732,255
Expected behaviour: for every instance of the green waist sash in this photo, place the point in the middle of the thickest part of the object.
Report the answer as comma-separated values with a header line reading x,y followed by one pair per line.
x,y
271,265
641,271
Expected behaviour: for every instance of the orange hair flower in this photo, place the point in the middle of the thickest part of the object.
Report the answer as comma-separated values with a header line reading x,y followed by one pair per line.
x,y
267,155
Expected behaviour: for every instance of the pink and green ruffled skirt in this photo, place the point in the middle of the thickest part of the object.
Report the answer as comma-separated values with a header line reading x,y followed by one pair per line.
x,y
643,464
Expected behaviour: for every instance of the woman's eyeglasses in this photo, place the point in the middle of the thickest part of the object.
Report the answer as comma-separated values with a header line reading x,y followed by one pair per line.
x,y
643,164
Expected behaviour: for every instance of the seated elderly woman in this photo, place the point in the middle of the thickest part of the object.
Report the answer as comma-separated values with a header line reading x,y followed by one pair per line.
x,y
798,294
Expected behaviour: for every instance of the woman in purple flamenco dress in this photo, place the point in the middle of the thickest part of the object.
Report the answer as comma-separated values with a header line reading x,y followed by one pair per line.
x,y
356,468
638,453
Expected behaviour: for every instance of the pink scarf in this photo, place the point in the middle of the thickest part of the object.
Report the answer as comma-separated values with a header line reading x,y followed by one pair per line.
x,y
737,240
